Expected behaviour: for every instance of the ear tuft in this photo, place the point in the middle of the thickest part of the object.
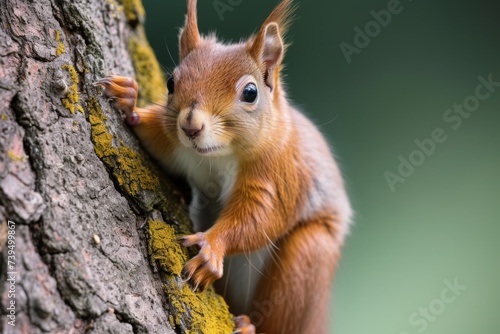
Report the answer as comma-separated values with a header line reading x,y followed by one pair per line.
x,y
190,36
282,14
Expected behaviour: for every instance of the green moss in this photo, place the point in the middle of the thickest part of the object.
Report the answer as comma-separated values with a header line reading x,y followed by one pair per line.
x,y
72,99
148,73
128,167
208,313
60,47
134,11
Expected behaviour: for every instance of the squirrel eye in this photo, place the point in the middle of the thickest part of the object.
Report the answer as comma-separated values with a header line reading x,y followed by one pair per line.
x,y
170,84
249,94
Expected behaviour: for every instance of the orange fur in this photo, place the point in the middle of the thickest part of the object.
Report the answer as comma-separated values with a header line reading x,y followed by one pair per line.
x,y
287,192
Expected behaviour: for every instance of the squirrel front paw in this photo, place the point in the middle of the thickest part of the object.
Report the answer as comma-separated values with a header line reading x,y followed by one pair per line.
x,y
243,325
123,92
206,267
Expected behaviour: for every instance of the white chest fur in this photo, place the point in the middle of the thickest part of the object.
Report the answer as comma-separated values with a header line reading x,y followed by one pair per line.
x,y
212,180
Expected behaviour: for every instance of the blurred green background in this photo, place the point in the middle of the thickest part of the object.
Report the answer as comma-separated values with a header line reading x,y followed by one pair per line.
x,y
443,222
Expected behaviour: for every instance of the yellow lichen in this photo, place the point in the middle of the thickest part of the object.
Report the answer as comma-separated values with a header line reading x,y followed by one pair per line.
x,y
71,101
4,117
68,105
60,47
15,157
128,167
171,320
169,253
208,313
134,11
72,72
148,73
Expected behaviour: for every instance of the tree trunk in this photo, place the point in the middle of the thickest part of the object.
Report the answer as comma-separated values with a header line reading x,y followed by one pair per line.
x,y
88,223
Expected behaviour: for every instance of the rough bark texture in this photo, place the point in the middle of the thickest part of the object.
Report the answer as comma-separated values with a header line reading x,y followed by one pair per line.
x,y
95,221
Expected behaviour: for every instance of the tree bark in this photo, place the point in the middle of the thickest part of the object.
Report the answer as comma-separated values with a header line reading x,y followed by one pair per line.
x,y
88,224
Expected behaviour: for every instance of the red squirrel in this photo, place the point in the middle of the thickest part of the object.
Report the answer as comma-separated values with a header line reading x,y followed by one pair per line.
x,y
264,181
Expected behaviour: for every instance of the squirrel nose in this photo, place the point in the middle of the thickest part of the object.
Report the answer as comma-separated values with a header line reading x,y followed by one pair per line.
x,y
193,132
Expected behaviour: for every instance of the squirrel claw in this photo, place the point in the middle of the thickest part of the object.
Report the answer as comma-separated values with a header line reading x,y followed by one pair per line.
x,y
206,267
190,240
102,82
122,92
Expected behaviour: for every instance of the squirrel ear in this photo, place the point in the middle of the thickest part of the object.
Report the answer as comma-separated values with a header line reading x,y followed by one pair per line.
x,y
268,49
190,36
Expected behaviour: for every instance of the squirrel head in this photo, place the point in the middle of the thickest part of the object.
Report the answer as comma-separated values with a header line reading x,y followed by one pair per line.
x,y
226,98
